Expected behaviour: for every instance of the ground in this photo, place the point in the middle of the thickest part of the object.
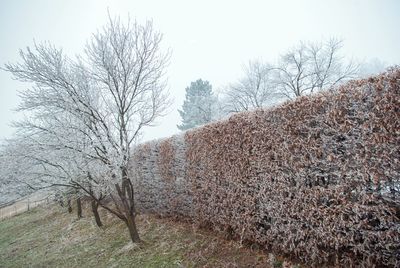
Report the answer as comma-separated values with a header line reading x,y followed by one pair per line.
x,y
50,237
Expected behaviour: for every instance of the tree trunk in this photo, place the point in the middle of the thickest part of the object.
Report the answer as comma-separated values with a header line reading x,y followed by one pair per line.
x,y
79,207
126,196
69,206
95,207
133,232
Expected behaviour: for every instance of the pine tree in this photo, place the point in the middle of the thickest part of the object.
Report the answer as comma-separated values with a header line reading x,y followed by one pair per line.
x,y
198,106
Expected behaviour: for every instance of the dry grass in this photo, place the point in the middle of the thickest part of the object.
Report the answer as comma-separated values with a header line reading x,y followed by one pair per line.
x,y
50,237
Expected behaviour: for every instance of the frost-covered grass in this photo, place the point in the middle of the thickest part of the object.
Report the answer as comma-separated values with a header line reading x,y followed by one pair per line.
x,y
49,237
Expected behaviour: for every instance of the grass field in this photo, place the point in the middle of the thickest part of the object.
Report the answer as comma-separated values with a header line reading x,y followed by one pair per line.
x,y
50,237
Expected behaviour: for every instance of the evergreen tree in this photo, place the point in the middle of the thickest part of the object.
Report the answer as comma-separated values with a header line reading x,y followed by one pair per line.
x,y
198,106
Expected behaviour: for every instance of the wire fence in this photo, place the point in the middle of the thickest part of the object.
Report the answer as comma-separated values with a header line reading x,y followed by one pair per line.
x,y
16,207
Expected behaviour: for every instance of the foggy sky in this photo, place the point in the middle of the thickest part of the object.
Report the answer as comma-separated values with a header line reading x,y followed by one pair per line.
x,y
210,40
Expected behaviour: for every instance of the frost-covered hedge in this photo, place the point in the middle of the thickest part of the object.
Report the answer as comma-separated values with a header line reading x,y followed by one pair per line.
x,y
316,178
161,185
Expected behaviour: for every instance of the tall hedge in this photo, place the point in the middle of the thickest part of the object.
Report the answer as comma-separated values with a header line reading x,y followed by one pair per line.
x,y
161,185
317,179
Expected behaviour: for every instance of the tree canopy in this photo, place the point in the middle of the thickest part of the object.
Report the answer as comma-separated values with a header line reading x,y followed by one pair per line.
x,y
199,105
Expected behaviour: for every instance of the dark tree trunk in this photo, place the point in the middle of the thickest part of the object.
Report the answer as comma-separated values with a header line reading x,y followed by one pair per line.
x,y
79,207
69,206
126,197
133,232
95,207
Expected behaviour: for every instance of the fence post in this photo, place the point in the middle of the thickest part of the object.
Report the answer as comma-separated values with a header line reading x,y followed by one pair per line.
x,y
28,204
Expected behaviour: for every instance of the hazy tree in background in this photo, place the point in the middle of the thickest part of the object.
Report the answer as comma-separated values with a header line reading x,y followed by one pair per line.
x,y
372,67
107,95
199,105
11,171
304,69
254,90
311,67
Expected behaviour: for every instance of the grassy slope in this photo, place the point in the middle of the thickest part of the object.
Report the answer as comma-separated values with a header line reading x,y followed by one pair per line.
x,y
52,238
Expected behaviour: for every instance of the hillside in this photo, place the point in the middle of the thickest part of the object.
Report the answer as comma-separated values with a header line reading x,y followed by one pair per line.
x,y
50,237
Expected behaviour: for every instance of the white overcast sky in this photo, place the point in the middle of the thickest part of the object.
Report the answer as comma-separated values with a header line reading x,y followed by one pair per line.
x,y
210,39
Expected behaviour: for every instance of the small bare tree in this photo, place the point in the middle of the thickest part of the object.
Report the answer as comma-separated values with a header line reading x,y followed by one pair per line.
x,y
254,90
311,67
104,99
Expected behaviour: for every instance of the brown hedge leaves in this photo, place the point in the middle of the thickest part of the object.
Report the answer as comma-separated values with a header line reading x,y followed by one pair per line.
x,y
316,178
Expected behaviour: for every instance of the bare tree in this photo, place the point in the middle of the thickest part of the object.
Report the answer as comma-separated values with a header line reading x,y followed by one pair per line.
x,y
372,66
103,99
304,69
254,90
311,67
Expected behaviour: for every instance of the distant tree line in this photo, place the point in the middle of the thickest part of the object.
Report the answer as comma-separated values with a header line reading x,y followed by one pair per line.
x,y
305,68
